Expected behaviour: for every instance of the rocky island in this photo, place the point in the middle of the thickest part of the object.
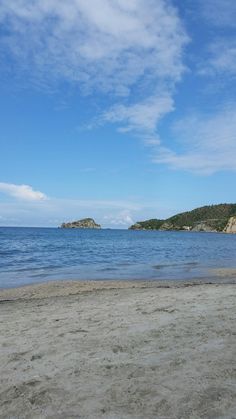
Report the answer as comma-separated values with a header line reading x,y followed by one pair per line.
x,y
84,223
211,218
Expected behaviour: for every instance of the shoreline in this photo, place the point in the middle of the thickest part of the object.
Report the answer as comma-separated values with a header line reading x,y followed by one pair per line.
x,y
65,287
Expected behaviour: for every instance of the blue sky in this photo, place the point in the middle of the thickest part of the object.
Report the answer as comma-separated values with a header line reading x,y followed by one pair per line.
x,y
119,110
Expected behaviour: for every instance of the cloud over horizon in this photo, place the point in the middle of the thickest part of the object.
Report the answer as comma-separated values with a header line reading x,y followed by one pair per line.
x,y
52,212
22,192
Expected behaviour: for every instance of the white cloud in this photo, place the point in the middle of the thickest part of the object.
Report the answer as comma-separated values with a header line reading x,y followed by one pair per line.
x,y
23,192
123,218
141,118
108,45
208,143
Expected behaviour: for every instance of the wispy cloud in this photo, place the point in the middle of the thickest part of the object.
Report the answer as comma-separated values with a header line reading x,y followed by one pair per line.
x,y
129,50
220,60
141,118
219,13
208,143
23,192
220,52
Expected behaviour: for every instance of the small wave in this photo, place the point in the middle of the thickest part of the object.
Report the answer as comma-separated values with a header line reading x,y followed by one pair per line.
x,y
175,265
10,252
124,264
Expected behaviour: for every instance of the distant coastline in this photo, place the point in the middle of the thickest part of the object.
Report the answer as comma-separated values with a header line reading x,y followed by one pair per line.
x,y
213,218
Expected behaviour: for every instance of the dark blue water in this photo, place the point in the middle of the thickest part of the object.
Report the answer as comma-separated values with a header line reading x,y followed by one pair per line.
x,y
29,255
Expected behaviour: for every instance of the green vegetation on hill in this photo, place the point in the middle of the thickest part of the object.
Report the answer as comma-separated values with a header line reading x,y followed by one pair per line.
x,y
147,225
209,212
207,218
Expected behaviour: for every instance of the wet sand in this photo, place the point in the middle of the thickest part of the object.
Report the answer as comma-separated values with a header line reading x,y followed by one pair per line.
x,y
118,350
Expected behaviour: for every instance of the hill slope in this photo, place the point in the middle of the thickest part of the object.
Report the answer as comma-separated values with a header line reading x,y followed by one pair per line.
x,y
207,218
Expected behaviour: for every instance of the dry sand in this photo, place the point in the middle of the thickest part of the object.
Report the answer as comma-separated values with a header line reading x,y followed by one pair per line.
x,y
118,350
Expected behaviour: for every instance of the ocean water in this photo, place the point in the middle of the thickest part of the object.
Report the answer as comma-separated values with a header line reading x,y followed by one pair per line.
x,y
32,255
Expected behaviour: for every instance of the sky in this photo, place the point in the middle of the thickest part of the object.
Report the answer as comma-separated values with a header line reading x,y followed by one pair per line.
x,y
116,110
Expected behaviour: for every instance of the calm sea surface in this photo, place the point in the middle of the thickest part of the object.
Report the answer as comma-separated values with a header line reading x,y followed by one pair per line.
x,y
30,255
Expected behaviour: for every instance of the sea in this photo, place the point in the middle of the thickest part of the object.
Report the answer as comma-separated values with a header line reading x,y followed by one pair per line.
x,y
35,255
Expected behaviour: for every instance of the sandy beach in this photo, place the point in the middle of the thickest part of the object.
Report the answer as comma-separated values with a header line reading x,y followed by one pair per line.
x,y
118,350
